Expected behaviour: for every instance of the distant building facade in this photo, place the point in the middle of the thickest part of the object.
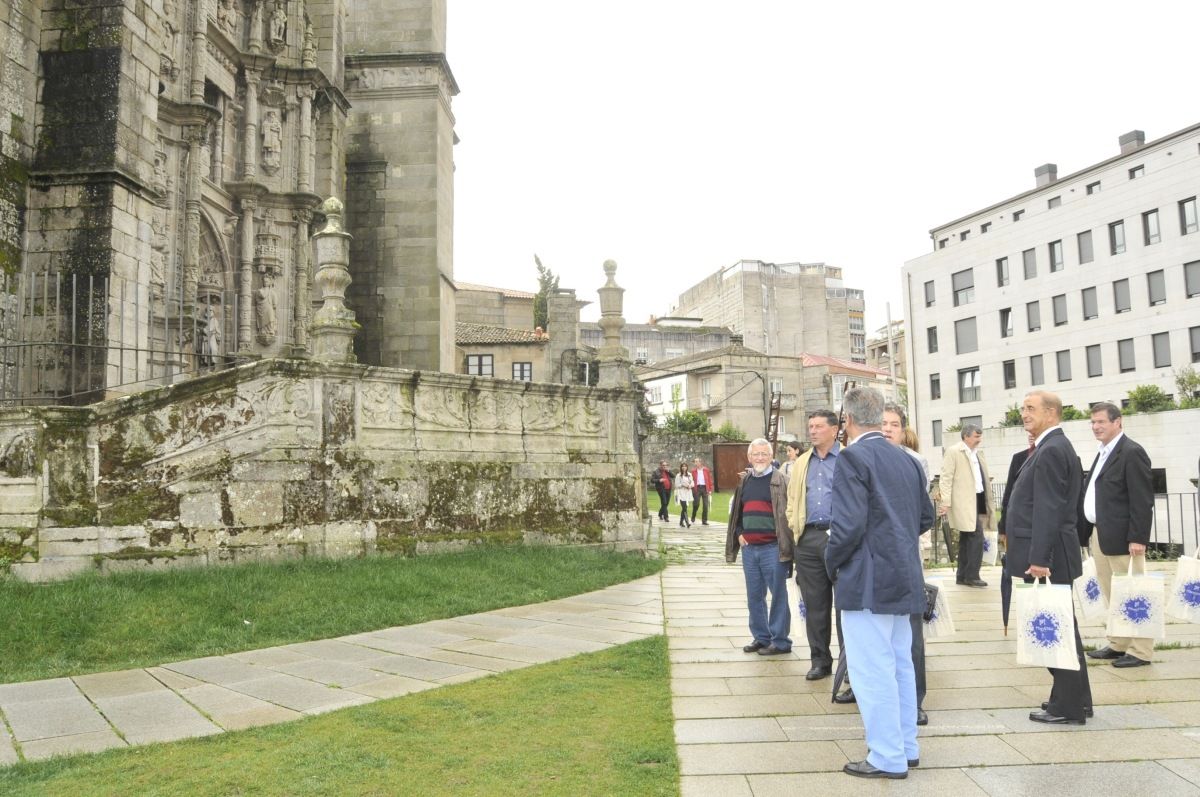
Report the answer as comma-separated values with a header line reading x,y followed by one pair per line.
x,y
661,339
879,356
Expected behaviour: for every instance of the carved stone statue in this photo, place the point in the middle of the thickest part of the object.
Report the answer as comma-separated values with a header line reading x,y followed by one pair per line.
x,y
279,22
227,15
265,309
272,141
209,338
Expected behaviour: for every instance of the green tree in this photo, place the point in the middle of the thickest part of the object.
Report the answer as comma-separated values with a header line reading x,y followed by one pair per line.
x,y
687,422
547,284
1012,416
730,432
1071,414
1149,398
1187,387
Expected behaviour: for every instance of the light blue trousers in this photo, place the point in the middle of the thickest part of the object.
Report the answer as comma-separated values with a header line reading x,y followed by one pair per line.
x,y
879,656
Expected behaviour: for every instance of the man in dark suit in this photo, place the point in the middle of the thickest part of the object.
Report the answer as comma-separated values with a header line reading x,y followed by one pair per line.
x,y
880,508
1042,538
1014,467
1118,503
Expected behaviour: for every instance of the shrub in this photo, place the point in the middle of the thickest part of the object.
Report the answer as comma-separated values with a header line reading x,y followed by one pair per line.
x,y
687,422
1012,416
730,432
1149,398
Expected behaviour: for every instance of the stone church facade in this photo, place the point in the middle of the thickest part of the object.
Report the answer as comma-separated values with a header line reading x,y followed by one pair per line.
x,y
161,164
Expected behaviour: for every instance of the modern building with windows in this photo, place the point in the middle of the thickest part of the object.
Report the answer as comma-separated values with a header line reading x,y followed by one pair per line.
x,y
1087,285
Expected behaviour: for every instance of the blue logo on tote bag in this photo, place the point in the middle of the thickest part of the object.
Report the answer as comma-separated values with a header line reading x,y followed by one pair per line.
x,y
1044,630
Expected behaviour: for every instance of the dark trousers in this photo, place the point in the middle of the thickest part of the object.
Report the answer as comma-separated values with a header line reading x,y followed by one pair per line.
x,y
701,498
1071,692
817,590
664,501
970,553
918,654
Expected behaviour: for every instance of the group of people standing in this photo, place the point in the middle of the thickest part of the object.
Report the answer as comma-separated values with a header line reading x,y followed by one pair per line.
x,y
692,486
848,514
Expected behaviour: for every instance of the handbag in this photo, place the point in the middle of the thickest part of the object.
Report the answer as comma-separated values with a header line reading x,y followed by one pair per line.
x,y
801,619
1184,601
991,547
1138,605
938,620
1087,590
1046,626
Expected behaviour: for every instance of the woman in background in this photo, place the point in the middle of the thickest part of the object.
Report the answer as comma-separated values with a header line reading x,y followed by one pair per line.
x,y
683,493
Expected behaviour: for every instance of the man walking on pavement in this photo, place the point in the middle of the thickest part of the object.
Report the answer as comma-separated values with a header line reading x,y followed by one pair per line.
x,y
662,483
758,527
1118,505
966,501
809,507
702,491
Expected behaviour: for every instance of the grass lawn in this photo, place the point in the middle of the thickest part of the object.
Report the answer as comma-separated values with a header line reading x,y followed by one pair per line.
x,y
718,507
598,724
95,624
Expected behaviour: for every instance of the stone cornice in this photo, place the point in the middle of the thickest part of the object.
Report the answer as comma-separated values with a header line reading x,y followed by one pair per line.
x,y
380,60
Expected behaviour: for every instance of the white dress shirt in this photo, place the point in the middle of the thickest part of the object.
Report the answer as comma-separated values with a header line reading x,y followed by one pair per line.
x,y
1089,497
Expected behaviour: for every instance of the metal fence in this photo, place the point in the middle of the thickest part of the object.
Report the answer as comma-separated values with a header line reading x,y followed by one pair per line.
x,y
75,339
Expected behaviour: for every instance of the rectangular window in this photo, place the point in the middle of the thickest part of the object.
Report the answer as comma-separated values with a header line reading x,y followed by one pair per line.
x,y
706,389
1116,237
1150,232
1191,278
1029,256
942,243
962,236
973,420
1157,287
936,433
1002,272
1093,188
985,227
935,387
777,386
1161,343
1064,365
1187,216
1121,296
654,395
1033,316
480,365
968,385
1010,374
1017,214
1006,328
522,372
1090,308
931,339
966,339
1194,334
1056,256
963,284
1053,202
1093,361
641,354
930,296
1059,303
1036,374
1125,359
1136,172
1084,241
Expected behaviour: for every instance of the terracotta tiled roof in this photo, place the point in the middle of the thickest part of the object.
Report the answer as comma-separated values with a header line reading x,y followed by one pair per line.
x,y
809,360
465,333
470,286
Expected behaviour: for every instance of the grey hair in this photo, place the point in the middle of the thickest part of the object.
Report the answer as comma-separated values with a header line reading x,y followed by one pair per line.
x,y
969,430
758,441
864,405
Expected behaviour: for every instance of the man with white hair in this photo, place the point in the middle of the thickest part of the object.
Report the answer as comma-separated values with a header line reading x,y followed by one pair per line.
x,y
758,527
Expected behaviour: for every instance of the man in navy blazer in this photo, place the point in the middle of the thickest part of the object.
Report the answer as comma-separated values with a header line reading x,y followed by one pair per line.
x,y
880,508
1118,503
1043,541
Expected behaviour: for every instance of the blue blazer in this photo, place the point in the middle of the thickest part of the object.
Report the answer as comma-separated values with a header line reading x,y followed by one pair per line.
x,y
880,507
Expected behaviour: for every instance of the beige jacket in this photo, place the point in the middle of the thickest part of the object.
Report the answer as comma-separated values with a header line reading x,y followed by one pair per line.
x,y
957,490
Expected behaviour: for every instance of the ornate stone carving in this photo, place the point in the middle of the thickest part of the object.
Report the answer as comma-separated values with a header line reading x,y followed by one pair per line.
x,y
542,413
161,181
227,17
209,338
308,54
386,405
279,25
272,142
440,408
167,71
583,416
266,307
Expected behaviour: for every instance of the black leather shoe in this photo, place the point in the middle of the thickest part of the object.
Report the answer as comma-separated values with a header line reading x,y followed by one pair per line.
x,y
922,719
844,698
771,650
975,582
862,769
819,672
1130,661
913,763
1105,653
959,581
754,647
1053,719
1087,712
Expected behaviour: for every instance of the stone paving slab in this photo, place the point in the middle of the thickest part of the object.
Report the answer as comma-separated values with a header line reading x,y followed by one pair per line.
x,y
234,710
106,685
1120,745
62,716
1186,768
1140,777
744,706
920,783
34,691
764,729
8,753
72,744
759,757
715,786
160,716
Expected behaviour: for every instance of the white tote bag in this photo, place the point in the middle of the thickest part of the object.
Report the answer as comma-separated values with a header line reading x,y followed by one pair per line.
x,y
991,548
1045,626
800,619
941,623
1138,605
1087,591
1184,601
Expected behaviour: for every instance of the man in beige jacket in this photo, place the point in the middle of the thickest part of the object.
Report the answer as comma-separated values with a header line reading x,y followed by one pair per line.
x,y
966,502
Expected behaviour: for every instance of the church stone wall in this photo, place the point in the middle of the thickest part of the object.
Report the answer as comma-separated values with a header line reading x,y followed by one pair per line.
x,y
292,459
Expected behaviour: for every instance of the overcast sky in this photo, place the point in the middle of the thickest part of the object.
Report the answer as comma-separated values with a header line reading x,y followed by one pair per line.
x,y
680,136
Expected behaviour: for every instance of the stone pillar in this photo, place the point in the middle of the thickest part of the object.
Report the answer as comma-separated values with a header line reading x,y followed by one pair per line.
x,y
614,359
304,167
256,25
562,321
250,153
246,279
300,258
199,50
197,137
333,325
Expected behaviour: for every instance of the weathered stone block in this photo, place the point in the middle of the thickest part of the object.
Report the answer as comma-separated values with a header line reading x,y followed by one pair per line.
x,y
201,510
256,503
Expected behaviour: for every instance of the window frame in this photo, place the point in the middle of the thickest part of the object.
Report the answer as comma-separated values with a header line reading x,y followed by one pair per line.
x,y
1009,370
965,392
480,360
1029,263
1117,243
526,371
1125,346
1093,349
1124,281
1091,252
1156,279
1163,340
1095,303
1003,277
1187,207
1063,356
1151,229
1036,307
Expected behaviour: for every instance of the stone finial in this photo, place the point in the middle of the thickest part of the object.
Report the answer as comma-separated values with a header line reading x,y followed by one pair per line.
x,y
333,210
333,327
614,359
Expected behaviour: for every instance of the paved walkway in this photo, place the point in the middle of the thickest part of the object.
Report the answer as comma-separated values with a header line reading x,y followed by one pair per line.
x,y
744,725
